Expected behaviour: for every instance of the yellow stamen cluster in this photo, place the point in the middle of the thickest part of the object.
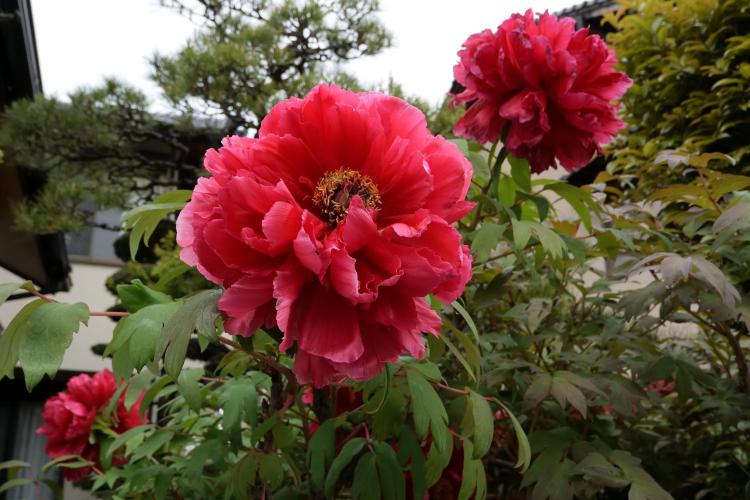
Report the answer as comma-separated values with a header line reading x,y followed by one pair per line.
x,y
335,189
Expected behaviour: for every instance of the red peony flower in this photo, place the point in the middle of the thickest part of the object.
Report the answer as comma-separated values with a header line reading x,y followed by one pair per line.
x,y
333,225
70,415
552,84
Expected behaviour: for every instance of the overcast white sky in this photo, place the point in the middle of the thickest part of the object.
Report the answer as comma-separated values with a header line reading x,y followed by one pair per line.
x,y
82,41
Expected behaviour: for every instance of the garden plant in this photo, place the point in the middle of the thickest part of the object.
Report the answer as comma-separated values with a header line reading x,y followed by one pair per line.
x,y
396,314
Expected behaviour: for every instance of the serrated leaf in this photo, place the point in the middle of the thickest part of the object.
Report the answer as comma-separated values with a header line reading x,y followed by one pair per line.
x,y
521,233
140,331
486,239
565,392
47,335
198,313
238,397
552,243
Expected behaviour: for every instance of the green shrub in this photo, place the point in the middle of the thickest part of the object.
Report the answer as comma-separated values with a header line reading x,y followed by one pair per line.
x,y
690,64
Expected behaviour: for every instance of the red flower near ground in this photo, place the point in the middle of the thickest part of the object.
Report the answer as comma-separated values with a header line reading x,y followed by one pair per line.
x,y
70,415
333,225
661,387
552,84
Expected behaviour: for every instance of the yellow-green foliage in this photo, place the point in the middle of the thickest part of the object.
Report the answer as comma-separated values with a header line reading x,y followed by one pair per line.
x,y
690,64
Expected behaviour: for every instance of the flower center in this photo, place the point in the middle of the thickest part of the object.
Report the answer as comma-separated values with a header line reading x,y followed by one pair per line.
x,y
335,190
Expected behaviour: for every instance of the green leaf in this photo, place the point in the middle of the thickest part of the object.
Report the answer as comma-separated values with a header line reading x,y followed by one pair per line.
x,y
20,481
391,475
136,386
484,424
271,470
348,452
643,486
467,317
552,243
47,334
538,390
470,370
469,473
598,468
506,190
427,408
140,331
636,302
190,388
142,221
321,451
10,339
198,313
554,482
565,392
438,459
136,296
64,458
238,397
521,233
366,485
390,418
410,453
524,448
387,382
486,239
729,219
8,288
521,172
14,464
153,392
578,199
126,436
152,444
